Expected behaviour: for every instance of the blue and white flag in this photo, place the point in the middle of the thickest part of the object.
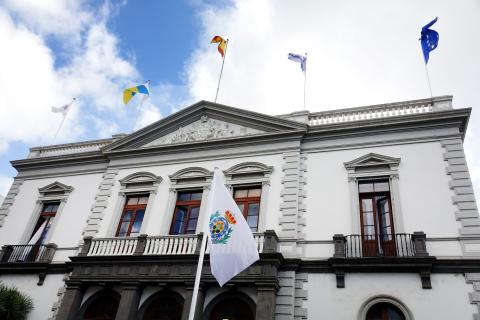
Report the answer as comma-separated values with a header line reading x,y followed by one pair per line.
x,y
232,246
300,59
429,39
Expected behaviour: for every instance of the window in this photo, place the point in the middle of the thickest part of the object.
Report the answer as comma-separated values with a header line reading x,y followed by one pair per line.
x,y
376,218
186,213
384,311
248,200
132,216
39,234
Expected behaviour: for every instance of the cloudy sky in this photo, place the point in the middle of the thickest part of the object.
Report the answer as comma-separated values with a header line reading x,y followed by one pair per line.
x,y
359,53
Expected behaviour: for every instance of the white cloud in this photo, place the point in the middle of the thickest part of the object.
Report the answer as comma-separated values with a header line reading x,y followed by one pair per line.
x,y
94,71
359,53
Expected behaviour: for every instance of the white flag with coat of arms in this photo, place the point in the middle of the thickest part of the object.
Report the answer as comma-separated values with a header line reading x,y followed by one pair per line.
x,y
232,246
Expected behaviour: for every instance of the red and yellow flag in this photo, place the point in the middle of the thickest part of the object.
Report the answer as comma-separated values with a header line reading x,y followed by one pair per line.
x,y
222,44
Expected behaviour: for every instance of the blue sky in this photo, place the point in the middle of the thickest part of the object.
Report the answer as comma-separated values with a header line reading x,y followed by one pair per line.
x,y
360,53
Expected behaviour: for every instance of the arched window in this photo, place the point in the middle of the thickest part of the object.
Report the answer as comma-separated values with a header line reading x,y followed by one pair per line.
x,y
384,311
102,306
384,308
163,306
231,306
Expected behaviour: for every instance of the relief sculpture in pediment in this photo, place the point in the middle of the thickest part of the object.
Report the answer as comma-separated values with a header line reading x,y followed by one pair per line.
x,y
204,129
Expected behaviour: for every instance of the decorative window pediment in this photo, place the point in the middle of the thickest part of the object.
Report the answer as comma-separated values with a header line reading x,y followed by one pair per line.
x,y
55,188
372,162
191,174
140,179
248,169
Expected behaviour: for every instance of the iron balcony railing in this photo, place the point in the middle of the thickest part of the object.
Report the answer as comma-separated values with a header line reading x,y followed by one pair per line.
x,y
27,253
380,245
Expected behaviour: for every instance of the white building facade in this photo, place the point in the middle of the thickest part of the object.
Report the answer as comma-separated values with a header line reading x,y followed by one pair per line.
x,y
364,213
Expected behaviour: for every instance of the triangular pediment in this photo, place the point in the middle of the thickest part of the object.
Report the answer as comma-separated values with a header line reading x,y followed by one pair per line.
x,y
202,122
55,187
372,160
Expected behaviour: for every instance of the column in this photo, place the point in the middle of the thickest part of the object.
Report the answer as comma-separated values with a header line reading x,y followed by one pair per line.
x,y
198,307
266,301
72,298
129,301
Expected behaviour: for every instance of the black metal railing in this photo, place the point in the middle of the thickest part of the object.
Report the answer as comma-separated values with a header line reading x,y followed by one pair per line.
x,y
387,245
380,245
27,253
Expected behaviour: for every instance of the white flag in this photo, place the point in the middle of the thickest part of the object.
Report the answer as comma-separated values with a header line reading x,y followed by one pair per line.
x,y
63,109
232,247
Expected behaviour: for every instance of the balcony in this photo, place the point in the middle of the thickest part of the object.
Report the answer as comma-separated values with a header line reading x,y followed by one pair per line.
x,y
400,252
29,258
37,253
161,245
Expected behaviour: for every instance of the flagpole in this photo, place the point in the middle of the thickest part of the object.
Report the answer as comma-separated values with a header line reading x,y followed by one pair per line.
x,y
198,275
58,130
61,123
428,81
304,84
221,70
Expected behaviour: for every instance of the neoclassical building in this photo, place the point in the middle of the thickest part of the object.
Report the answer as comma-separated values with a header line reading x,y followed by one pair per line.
x,y
364,213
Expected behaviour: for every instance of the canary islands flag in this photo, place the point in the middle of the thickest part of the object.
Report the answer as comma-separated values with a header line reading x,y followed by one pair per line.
x,y
232,246
130,92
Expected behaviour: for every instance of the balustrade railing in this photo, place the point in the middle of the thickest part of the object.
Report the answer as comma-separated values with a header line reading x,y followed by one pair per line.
x,y
27,253
162,245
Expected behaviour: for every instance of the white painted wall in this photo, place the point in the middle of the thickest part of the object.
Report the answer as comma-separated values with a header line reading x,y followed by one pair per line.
x,y
158,221
43,296
425,197
67,227
446,301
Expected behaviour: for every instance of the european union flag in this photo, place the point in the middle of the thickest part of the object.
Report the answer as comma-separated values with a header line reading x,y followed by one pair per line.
x,y
429,39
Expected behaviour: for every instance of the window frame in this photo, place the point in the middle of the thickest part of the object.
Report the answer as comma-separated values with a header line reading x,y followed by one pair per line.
x,y
189,204
371,167
134,184
246,201
133,207
362,313
53,192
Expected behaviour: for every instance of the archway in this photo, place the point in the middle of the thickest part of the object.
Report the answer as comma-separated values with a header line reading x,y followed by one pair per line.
x,y
165,305
231,306
102,306
384,311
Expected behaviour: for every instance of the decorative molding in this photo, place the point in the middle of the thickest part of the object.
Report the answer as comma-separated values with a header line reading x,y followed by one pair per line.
x,y
55,188
372,161
101,200
9,199
474,280
362,314
463,197
142,178
249,169
191,174
204,129
301,296
374,166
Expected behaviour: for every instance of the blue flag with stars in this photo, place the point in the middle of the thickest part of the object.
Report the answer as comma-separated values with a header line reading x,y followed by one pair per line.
x,y
429,39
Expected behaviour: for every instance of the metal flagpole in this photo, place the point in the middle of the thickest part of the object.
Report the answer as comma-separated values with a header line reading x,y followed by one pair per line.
x,y
221,70
61,123
304,84
428,80
58,130
200,259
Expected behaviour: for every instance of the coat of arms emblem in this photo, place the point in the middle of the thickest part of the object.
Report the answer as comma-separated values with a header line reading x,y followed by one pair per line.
x,y
220,227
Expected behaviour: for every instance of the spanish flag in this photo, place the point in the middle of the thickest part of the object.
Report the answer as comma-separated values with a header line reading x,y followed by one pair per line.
x,y
222,44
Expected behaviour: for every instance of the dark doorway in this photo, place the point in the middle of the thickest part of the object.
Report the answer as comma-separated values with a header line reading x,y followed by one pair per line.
x,y
102,307
232,308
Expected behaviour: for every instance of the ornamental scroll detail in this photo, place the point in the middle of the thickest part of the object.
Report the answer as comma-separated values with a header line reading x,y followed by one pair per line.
x,y
204,129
